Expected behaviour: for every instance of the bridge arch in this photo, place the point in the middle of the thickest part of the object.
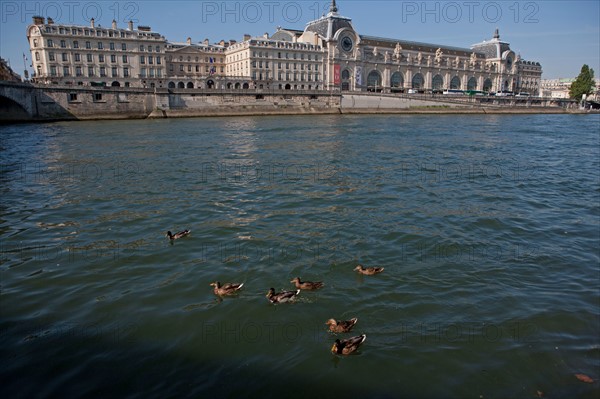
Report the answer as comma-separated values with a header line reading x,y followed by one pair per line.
x,y
16,101
12,110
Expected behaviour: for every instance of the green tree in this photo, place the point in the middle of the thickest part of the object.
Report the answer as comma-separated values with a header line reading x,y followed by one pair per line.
x,y
584,84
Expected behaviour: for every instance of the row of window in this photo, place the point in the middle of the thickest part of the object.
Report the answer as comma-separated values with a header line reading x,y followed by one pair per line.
x,y
101,72
309,67
206,59
207,68
150,59
287,76
99,45
91,71
87,32
89,57
267,54
295,46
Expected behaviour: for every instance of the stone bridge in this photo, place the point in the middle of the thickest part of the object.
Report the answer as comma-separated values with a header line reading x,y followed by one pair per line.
x,y
17,101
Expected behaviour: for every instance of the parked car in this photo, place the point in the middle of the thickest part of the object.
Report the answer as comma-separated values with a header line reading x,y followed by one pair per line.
x,y
413,91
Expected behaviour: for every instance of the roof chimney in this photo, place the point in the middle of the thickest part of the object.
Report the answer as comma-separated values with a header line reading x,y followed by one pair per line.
x,y
189,41
266,35
114,24
222,42
50,21
37,20
92,25
206,42
246,37
130,25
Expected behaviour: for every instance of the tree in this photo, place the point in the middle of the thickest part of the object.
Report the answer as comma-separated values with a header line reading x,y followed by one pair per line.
x,y
584,84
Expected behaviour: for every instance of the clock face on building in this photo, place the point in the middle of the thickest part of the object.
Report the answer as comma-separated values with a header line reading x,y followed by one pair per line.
x,y
347,43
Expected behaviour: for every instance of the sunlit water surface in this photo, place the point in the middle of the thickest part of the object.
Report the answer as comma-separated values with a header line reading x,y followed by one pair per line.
x,y
487,226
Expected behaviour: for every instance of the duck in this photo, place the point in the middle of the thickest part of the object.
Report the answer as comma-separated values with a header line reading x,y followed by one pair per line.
x,y
281,297
227,288
343,326
347,346
369,271
178,235
307,285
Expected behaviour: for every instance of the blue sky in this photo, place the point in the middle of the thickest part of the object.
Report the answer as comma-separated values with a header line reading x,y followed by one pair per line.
x,y
562,35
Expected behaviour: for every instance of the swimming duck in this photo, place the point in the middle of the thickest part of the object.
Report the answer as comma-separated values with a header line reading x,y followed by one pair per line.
x,y
347,346
307,285
341,326
226,289
178,235
281,297
369,271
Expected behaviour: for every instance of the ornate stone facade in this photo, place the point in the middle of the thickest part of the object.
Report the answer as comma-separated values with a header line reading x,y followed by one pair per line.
x,y
288,60
357,62
88,55
327,55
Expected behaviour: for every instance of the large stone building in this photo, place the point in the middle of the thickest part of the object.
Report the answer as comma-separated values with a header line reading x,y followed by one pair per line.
x,y
195,65
327,55
366,63
87,55
287,60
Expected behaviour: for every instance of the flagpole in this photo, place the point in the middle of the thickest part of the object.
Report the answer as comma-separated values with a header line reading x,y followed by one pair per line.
x,y
24,68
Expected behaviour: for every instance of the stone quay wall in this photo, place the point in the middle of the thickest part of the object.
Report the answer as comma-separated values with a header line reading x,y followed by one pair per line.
x,y
21,102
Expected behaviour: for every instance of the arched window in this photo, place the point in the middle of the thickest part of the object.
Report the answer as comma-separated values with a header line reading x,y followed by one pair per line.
x,y
180,85
437,83
345,74
190,85
397,81
418,81
472,84
455,83
487,85
171,85
374,81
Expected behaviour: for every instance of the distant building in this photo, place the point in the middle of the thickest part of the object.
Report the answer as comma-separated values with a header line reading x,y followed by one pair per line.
x,y
327,55
559,88
6,72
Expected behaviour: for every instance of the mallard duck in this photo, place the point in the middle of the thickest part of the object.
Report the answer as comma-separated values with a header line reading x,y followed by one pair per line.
x,y
343,326
178,235
307,285
369,271
281,297
226,289
347,346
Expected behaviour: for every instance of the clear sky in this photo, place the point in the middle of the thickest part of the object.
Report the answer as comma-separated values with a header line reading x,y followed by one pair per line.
x,y
560,34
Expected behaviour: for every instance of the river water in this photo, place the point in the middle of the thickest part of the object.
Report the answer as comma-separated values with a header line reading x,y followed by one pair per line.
x,y
488,228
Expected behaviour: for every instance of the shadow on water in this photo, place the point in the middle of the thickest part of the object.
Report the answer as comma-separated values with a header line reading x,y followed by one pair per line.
x,y
83,362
